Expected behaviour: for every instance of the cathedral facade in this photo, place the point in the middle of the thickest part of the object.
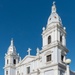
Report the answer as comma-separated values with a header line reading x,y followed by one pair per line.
x,y
50,60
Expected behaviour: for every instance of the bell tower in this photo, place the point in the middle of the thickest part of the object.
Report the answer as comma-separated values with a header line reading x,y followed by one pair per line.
x,y
54,38
11,59
54,32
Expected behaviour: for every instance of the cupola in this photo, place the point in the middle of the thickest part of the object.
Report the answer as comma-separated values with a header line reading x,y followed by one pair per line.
x,y
11,49
54,17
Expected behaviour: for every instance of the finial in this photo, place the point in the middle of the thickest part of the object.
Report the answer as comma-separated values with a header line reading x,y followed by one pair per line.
x,y
43,28
12,42
64,28
5,54
18,54
28,51
53,7
38,51
20,58
53,2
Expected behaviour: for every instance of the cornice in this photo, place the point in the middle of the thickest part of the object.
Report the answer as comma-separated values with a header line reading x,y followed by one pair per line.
x,y
72,71
53,45
53,28
9,66
63,47
10,55
52,65
48,66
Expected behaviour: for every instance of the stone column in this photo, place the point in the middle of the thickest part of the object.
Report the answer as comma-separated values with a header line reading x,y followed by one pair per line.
x,y
64,40
68,70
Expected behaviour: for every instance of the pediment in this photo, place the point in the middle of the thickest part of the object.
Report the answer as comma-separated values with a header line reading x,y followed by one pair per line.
x,y
27,59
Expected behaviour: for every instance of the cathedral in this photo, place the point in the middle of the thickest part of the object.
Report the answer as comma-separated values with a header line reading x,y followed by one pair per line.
x,y
50,60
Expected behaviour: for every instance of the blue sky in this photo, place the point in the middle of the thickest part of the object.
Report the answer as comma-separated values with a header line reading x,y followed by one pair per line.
x,y
23,20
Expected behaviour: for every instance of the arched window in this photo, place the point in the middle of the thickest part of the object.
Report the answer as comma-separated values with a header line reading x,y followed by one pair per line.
x,y
28,70
60,38
14,61
6,72
49,39
7,61
62,58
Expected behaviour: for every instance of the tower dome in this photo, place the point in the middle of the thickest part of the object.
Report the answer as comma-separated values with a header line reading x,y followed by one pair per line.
x,y
54,17
11,49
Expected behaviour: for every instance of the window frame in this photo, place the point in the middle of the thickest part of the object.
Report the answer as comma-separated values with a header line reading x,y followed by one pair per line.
x,y
48,58
49,39
14,61
6,72
61,38
28,70
7,61
62,58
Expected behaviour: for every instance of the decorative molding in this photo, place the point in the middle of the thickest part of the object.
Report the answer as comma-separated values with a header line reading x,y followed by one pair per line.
x,y
48,52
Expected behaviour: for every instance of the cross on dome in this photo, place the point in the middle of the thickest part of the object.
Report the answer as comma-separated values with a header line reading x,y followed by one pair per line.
x,y
12,43
53,7
53,2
